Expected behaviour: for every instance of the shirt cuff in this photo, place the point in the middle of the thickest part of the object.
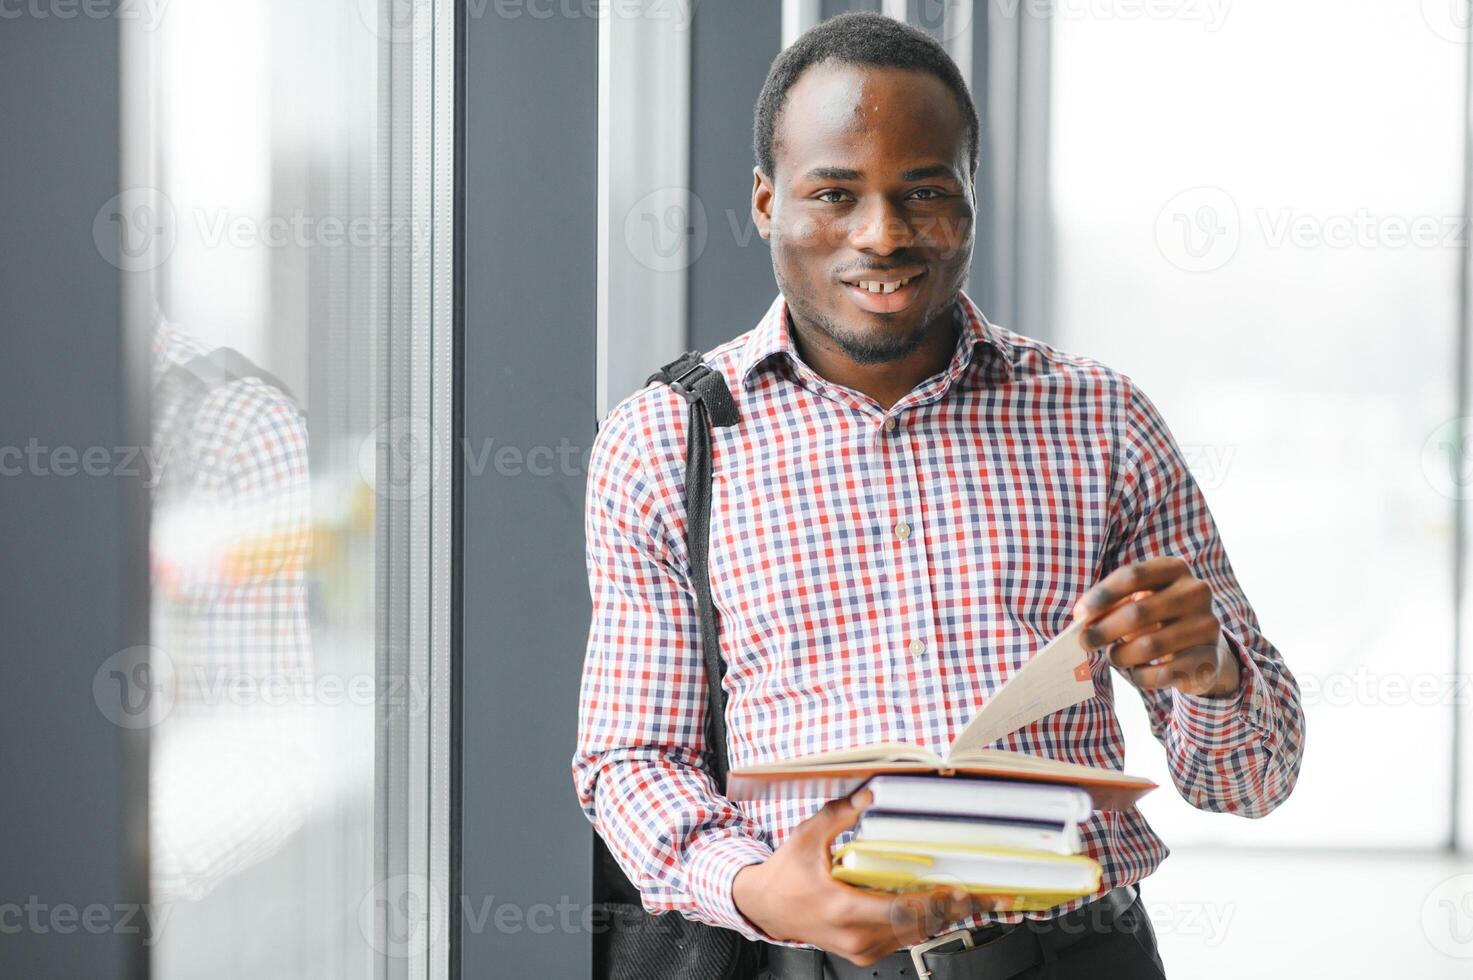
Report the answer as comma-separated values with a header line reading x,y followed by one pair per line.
x,y
712,864
1225,723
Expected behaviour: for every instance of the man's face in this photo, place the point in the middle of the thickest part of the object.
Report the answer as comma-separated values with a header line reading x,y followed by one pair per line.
x,y
872,191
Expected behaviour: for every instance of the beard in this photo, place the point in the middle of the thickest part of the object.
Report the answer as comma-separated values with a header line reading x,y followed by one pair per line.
x,y
859,345
872,347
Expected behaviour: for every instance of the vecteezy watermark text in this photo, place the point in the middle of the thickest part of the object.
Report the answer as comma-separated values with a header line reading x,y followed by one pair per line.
x,y
39,917
36,458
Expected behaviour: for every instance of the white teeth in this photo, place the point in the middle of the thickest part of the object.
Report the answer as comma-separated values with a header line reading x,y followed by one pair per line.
x,y
881,287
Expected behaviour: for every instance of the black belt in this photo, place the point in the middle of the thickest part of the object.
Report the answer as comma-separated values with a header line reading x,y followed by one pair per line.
x,y
992,952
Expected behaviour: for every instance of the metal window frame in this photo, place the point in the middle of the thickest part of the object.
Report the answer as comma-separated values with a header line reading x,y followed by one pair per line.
x,y
416,529
1460,837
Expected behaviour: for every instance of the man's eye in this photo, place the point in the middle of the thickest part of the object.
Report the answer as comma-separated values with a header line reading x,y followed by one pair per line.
x,y
831,197
926,194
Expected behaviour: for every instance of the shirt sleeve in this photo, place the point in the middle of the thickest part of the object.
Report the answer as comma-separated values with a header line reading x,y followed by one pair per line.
x,y
1237,754
642,707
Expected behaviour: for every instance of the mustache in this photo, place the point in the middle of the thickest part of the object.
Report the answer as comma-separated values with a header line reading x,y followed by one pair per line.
x,y
882,269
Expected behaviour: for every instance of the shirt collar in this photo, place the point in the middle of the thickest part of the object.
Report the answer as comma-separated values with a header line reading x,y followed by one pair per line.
x,y
772,337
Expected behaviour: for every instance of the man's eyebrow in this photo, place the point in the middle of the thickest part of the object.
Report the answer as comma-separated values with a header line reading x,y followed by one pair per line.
x,y
935,170
832,173
918,173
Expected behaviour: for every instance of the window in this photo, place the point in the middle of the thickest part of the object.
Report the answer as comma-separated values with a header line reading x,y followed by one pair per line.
x,y
1258,218
289,204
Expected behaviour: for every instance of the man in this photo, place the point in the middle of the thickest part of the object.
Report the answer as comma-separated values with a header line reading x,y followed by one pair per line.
x,y
231,544
914,502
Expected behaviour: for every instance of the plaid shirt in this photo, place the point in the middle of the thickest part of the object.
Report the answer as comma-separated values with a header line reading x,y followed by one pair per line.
x,y
878,575
231,537
231,529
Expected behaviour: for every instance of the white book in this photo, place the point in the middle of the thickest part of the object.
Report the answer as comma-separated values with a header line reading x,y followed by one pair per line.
x,y
980,798
978,832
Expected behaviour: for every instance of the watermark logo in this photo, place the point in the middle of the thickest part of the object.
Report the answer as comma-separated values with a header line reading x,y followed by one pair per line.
x,y
406,21
401,917
1199,230
401,459
1363,686
949,19
666,229
397,21
1447,458
147,13
1447,917
1211,14
135,687
41,918
218,227
1209,463
136,230
1448,18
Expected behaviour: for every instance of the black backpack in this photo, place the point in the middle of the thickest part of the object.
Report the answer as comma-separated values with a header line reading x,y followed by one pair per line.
x,y
630,943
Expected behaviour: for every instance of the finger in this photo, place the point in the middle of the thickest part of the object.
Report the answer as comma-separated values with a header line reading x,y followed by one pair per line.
x,y
835,817
1154,573
1116,605
921,915
909,918
1191,672
1179,598
1169,640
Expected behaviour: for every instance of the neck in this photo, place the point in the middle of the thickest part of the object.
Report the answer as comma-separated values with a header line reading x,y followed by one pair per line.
x,y
886,382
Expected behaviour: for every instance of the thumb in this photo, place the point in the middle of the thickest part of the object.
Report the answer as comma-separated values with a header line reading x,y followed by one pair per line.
x,y
840,815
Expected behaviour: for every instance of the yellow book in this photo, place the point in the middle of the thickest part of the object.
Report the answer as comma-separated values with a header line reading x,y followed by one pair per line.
x,y
1019,881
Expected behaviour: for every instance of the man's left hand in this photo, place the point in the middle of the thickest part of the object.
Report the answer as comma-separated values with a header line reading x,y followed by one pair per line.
x,y
1164,633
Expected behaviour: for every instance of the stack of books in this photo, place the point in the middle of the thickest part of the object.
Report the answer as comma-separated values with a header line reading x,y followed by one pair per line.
x,y
1017,842
1000,823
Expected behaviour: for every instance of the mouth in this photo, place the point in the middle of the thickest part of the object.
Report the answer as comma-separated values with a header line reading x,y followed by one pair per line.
x,y
883,292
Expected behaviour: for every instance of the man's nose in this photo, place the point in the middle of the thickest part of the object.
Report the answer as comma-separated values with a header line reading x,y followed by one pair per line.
x,y
880,227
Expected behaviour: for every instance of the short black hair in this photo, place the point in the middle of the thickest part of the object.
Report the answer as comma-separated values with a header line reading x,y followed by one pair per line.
x,y
856,38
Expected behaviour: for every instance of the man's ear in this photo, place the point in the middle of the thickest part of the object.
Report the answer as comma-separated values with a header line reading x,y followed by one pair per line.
x,y
762,202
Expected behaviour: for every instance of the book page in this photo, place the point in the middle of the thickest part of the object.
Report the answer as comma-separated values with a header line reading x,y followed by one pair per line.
x,y
1058,676
874,754
1024,764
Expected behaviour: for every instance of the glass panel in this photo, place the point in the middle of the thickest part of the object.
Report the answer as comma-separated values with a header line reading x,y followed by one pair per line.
x,y
1257,218
298,171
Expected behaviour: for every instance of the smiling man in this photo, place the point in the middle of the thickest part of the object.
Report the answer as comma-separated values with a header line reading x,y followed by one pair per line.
x,y
913,502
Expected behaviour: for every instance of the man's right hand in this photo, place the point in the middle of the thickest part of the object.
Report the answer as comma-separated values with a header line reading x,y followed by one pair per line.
x,y
792,896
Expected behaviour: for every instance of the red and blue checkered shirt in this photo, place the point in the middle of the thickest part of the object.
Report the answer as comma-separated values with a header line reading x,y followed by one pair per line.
x,y
878,575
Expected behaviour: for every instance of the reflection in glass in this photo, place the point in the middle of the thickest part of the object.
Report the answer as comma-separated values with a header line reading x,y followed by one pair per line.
x,y
288,755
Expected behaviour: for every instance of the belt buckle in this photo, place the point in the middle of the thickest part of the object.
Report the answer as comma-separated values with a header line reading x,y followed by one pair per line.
x,y
920,949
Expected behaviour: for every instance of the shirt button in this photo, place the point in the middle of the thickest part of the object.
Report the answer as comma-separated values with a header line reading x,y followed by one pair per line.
x,y
891,425
917,647
902,530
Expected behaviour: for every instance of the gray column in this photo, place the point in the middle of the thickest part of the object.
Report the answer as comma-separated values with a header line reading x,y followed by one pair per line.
x,y
529,226
73,585
731,280
1012,265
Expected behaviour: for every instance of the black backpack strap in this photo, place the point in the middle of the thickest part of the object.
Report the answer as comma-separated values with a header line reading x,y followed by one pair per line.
x,y
710,401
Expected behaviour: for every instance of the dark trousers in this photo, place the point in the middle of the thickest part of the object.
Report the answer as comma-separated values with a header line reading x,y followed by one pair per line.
x,y
1123,948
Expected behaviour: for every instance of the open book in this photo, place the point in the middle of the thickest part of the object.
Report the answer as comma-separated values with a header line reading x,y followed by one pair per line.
x,y
1057,677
